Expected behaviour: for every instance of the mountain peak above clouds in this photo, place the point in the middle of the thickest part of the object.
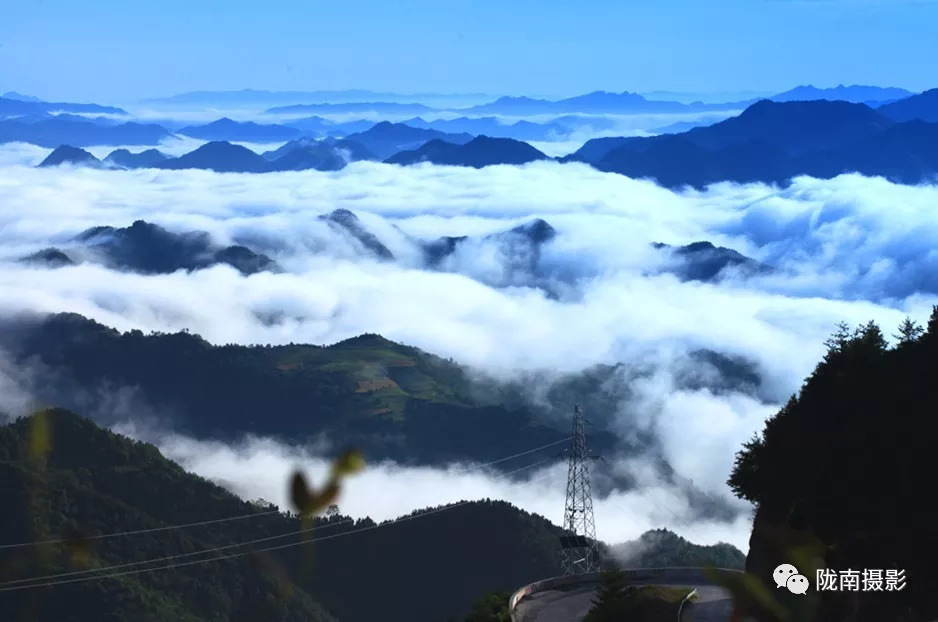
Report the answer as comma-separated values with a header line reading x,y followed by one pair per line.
x,y
66,154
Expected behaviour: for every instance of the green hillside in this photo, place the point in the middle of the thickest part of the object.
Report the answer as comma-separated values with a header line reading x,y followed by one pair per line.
x,y
83,481
391,400
94,482
430,566
664,548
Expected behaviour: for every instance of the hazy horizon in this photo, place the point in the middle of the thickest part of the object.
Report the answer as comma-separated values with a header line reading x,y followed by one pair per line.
x,y
119,52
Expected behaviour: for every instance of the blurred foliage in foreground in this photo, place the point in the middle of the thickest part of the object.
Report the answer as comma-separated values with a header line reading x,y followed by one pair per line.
x,y
844,477
492,607
615,600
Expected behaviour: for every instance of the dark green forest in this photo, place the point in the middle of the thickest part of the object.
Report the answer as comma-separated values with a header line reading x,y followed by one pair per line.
x,y
615,600
390,400
65,478
845,472
663,548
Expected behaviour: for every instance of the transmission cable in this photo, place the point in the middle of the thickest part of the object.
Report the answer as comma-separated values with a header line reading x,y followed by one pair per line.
x,y
255,551
253,514
14,583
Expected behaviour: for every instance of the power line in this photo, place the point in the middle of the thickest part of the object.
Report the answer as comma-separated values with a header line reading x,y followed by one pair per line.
x,y
518,455
212,550
253,514
177,556
139,531
254,551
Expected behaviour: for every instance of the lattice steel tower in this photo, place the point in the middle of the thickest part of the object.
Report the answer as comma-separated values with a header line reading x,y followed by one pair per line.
x,y
580,554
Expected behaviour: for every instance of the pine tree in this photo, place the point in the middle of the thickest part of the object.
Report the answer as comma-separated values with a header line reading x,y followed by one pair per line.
x,y
909,331
838,341
490,608
871,335
612,588
932,328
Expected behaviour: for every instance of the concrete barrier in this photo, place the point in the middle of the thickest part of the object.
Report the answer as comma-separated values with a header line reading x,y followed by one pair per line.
x,y
550,584
690,576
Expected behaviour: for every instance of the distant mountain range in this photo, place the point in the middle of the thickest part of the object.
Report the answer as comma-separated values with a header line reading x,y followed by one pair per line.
x,y
245,131
598,102
857,94
392,108
22,106
603,100
680,126
379,142
54,131
123,158
255,97
768,142
306,153
773,142
350,150
492,127
386,139
923,107
315,126
479,152
20,97
221,157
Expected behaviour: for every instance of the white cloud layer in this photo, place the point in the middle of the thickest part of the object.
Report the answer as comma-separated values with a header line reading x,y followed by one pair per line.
x,y
850,249
261,468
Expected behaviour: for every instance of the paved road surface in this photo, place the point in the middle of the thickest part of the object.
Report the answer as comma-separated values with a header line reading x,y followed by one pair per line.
x,y
560,605
572,604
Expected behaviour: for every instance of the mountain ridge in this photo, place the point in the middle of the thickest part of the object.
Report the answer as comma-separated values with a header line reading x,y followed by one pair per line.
x,y
852,138
923,107
92,481
479,152
855,93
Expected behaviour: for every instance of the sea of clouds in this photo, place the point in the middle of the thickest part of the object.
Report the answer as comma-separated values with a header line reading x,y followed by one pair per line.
x,y
851,249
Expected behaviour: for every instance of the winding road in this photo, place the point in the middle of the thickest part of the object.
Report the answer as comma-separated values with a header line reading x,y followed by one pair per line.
x,y
571,603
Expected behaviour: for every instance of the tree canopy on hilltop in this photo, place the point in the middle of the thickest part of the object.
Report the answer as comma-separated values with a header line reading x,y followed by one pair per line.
x,y
851,458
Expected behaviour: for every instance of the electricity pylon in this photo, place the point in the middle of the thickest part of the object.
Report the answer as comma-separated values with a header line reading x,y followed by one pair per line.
x,y
580,551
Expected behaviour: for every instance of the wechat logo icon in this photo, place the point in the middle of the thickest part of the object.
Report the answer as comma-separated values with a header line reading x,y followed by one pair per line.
x,y
788,576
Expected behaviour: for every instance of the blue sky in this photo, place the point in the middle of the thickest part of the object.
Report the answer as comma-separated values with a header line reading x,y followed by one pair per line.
x,y
121,50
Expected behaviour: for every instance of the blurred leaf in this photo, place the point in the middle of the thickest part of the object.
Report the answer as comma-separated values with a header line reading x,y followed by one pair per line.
x,y
349,463
300,494
40,437
321,500
79,549
805,558
270,566
307,501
